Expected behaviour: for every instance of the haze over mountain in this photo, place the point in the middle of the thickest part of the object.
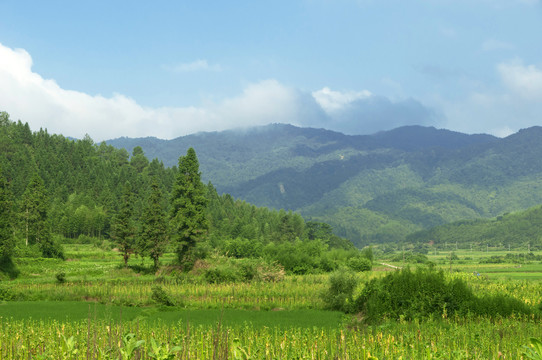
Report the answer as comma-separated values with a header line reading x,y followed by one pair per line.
x,y
371,188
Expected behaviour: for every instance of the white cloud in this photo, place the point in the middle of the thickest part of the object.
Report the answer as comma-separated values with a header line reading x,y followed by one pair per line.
x,y
516,105
41,102
523,80
198,65
331,100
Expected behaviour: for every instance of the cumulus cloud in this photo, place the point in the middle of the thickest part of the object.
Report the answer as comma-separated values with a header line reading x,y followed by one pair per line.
x,y
41,102
332,101
516,105
523,80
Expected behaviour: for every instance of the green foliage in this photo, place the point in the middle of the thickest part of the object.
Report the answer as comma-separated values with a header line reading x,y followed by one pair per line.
x,y
188,220
51,249
222,273
123,226
360,264
370,189
69,347
534,352
411,258
152,238
340,293
7,294
7,238
161,297
7,267
163,351
518,229
34,215
130,347
60,277
426,293
227,270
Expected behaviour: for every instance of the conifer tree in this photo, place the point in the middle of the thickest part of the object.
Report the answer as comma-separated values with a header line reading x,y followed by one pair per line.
x,y
35,205
123,226
188,209
153,236
7,239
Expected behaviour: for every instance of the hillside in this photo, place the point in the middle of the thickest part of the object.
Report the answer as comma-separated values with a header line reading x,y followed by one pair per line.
x,y
54,190
522,228
370,188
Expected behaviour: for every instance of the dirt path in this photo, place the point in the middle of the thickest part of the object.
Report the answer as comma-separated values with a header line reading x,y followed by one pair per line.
x,y
392,266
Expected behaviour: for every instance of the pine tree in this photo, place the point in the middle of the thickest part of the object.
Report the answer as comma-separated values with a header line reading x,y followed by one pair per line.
x,y
7,239
35,211
35,205
188,209
123,227
153,236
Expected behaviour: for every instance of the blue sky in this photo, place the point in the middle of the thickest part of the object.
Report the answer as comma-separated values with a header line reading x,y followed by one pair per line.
x,y
170,68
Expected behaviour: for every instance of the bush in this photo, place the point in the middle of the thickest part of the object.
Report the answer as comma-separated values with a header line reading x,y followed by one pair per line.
x,y
425,293
499,305
412,258
360,264
8,268
51,249
409,295
160,296
340,294
222,273
368,254
61,277
7,294
226,270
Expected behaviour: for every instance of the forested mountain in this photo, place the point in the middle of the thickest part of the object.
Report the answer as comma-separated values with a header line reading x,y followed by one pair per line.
x,y
372,188
52,187
522,228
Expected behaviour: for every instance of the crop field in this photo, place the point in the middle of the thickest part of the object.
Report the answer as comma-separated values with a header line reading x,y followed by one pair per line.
x,y
103,311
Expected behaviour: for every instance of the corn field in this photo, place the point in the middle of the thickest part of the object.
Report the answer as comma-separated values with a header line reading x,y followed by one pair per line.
x,y
474,338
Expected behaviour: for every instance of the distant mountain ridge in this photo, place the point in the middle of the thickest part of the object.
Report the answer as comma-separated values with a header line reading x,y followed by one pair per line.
x,y
371,188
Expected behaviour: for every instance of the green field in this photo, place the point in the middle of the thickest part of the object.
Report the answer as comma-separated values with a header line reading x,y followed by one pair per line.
x,y
90,314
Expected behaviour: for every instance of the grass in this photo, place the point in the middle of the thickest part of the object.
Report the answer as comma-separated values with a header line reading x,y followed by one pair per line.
x,y
210,321
78,311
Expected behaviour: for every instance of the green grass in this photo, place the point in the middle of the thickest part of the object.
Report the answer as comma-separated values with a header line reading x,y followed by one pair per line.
x,y
298,329
65,311
77,311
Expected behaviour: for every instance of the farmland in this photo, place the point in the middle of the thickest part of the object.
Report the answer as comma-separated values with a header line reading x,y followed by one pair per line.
x,y
101,310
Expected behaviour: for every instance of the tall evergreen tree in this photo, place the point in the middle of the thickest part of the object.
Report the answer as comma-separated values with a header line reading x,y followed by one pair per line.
x,y
153,236
7,239
188,209
35,205
123,225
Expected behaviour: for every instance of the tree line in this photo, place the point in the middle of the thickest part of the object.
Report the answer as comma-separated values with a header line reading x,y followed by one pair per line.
x,y
55,190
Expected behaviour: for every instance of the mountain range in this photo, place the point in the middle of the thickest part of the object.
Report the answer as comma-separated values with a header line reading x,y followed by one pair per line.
x,y
370,188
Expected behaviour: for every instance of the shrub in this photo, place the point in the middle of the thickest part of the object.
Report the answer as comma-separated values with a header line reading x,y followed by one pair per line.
x,y
222,273
340,294
51,249
409,295
368,253
424,293
61,277
6,294
8,268
160,296
360,264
